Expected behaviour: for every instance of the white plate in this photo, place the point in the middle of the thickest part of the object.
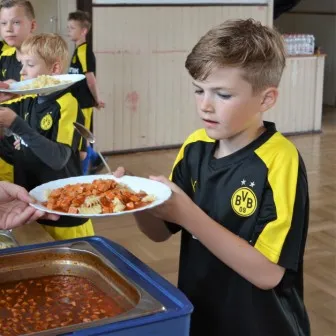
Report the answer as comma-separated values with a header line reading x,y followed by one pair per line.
x,y
16,88
157,189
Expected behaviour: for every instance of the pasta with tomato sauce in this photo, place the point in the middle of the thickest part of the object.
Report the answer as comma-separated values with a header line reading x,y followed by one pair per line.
x,y
99,197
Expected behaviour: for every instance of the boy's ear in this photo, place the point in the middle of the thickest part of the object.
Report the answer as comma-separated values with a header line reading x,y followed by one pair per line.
x,y
269,98
56,68
33,26
84,31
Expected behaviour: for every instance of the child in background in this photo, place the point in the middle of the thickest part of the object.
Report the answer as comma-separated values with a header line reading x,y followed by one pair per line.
x,y
48,144
17,22
83,61
240,193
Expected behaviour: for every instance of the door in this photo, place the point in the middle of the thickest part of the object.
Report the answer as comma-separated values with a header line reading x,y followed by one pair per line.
x,y
51,17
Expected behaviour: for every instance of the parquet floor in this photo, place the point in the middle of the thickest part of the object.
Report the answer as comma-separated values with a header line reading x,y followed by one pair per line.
x,y
319,153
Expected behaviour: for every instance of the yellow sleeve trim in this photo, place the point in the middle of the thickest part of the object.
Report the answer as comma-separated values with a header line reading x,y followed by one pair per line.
x,y
282,160
68,115
17,100
199,135
82,56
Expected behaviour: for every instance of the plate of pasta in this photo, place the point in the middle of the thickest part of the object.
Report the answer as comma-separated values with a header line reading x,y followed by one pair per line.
x,y
99,195
43,84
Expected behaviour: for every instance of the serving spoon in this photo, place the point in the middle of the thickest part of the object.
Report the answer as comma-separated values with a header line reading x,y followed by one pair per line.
x,y
87,135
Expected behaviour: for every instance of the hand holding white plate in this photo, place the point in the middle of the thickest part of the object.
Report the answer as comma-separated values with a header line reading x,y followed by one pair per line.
x,y
160,191
25,87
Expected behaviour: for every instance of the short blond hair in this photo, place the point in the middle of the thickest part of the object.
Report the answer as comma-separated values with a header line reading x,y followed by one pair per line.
x,y
246,44
51,48
82,17
27,6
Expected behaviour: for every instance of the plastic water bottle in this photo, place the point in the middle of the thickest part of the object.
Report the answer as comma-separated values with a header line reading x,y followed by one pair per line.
x,y
299,44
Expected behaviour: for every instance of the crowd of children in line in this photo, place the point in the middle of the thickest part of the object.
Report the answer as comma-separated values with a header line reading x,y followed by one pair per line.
x,y
40,142
240,191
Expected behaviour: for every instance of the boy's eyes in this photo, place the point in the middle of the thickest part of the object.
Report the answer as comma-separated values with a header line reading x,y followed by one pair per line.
x,y
224,95
221,95
3,23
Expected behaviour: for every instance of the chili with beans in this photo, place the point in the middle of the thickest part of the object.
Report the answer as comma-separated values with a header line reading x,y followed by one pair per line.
x,y
51,302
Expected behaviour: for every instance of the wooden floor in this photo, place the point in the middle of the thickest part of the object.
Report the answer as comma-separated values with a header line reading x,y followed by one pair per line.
x,y
319,153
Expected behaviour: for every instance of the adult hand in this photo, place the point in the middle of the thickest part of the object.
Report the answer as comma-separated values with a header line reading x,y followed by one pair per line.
x,y
5,95
15,209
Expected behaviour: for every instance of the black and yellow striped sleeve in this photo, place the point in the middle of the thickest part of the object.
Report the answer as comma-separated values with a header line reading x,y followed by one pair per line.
x,y
86,58
180,174
282,240
70,112
19,105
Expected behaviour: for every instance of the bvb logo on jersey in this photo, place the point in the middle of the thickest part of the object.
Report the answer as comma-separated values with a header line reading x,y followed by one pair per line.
x,y
244,202
46,122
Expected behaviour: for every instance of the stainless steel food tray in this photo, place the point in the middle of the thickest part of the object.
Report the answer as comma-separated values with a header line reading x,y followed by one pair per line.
x,y
6,238
79,259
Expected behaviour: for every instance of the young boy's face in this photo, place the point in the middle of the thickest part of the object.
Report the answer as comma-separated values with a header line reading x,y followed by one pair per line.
x,y
34,66
75,30
15,25
226,103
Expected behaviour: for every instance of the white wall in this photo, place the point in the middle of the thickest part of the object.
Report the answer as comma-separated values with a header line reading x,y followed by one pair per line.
x,y
324,29
51,17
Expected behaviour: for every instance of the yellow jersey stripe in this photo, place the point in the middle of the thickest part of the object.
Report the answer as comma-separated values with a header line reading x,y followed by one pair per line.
x,y
82,56
282,160
17,100
6,171
68,115
199,135
8,51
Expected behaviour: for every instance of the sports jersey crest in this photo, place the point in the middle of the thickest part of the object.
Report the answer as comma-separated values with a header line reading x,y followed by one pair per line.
x,y
46,122
74,59
244,201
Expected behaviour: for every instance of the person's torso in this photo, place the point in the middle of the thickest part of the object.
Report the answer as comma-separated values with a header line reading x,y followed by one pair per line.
x,y
231,191
79,65
10,67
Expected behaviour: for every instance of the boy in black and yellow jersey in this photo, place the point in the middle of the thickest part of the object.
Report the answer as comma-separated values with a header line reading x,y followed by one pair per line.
x,y
83,61
3,46
17,22
240,193
47,146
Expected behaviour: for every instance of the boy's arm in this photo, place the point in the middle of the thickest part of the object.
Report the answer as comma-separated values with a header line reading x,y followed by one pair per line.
x,y
89,69
53,154
92,84
279,246
154,228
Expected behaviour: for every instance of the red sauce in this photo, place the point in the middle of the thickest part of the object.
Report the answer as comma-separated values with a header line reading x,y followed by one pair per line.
x,y
50,302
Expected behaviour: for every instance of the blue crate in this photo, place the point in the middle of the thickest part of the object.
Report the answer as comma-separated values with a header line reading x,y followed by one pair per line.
x,y
175,320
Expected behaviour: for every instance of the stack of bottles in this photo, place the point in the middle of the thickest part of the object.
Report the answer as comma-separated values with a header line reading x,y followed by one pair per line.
x,y
299,44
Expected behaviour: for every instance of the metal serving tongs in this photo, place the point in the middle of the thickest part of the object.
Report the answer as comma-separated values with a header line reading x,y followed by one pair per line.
x,y
87,135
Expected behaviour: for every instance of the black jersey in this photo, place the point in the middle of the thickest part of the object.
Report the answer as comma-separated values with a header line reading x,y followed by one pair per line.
x,y
83,60
260,193
48,142
10,67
